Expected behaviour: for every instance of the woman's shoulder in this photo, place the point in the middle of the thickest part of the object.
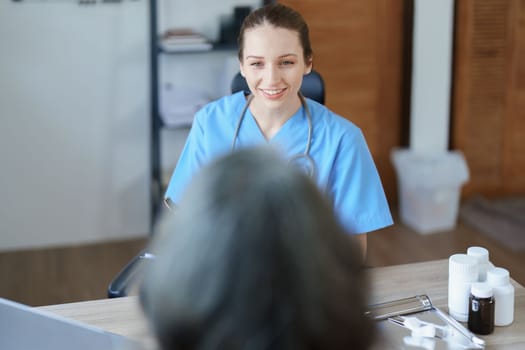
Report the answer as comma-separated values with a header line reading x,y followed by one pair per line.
x,y
331,121
228,107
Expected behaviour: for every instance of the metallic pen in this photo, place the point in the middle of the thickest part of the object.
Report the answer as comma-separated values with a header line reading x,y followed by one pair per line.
x,y
476,340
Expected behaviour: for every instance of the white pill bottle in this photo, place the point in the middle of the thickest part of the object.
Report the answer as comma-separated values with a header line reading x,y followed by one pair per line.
x,y
482,255
499,279
462,272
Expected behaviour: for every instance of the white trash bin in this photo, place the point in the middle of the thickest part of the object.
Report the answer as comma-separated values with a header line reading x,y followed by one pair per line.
x,y
429,188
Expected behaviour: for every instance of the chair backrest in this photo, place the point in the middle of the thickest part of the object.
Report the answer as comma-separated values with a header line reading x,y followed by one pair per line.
x,y
312,87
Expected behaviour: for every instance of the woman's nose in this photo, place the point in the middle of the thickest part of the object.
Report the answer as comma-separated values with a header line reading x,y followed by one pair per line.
x,y
271,74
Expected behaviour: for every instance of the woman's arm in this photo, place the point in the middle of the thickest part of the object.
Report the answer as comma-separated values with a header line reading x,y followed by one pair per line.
x,y
362,241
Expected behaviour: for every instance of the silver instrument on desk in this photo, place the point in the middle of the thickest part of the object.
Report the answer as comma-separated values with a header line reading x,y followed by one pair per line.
x,y
414,323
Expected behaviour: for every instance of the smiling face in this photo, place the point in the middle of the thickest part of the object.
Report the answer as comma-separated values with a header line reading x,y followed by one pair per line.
x,y
273,64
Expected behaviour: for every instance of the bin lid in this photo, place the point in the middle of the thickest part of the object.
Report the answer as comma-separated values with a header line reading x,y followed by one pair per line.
x,y
430,170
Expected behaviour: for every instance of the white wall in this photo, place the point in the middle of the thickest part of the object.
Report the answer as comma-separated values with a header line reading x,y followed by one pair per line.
x,y
73,107
431,75
74,119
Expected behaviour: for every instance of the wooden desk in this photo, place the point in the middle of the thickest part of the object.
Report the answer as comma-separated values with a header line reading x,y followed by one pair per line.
x,y
123,315
431,278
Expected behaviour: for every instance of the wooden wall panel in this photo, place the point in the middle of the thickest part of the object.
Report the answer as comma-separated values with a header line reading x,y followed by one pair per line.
x,y
514,161
358,49
488,121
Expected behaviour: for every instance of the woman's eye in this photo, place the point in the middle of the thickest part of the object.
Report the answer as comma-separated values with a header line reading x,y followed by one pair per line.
x,y
256,64
287,63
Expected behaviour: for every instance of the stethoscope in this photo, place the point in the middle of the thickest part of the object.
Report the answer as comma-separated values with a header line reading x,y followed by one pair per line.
x,y
309,167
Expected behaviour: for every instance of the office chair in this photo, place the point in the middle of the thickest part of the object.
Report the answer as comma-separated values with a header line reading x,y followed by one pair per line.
x,y
312,87
124,281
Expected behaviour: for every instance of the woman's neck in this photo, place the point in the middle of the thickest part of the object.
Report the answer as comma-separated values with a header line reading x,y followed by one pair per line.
x,y
270,120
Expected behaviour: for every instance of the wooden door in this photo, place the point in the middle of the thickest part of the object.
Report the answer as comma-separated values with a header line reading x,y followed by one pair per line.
x,y
488,122
358,49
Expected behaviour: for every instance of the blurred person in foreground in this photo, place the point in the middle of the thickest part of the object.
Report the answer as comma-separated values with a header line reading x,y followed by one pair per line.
x,y
254,258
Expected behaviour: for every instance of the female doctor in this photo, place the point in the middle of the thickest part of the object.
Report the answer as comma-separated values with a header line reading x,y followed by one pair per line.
x,y
274,54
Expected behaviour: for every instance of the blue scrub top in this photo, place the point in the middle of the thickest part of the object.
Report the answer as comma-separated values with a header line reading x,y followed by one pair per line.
x,y
344,168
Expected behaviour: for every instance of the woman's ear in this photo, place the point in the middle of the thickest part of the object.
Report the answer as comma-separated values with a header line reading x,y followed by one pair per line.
x,y
308,67
241,70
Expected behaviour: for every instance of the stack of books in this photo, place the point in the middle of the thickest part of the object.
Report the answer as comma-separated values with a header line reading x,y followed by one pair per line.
x,y
183,40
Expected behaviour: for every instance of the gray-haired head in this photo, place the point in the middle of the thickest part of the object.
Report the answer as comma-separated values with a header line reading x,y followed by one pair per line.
x,y
253,258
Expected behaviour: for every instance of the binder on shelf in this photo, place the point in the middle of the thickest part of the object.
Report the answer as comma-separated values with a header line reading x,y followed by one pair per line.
x,y
178,104
184,40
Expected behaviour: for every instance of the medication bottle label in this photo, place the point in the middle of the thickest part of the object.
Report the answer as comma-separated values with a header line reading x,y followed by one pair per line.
x,y
475,305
